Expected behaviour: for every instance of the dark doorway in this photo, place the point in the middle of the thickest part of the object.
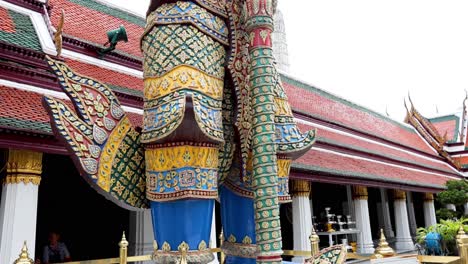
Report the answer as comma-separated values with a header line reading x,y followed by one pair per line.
x,y
418,204
374,203
90,225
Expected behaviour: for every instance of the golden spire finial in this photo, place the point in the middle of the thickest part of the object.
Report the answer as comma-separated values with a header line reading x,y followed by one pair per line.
x,y
383,249
24,256
221,237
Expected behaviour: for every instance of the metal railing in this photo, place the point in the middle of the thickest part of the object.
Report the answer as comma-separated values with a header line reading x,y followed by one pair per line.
x,y
462,244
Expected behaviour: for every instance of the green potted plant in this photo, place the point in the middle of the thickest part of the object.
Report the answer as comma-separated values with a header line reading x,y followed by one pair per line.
x,y
448,230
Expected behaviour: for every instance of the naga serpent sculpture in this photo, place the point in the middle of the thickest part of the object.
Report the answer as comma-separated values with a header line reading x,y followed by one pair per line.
x,y
216,124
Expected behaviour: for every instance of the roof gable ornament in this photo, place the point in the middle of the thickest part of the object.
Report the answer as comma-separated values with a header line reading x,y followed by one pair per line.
x,y
58,34
427,130
463,123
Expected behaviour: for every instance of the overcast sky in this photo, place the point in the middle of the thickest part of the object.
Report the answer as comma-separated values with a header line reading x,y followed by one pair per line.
x,y
374,52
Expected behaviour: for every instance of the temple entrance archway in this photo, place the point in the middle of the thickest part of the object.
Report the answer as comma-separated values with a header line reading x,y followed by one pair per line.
x,y
90,225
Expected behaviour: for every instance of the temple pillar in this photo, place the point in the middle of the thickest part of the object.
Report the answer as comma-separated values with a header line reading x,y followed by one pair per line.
x,y
365,244
213,237
387,227
403,234
18,208
411,215
302,217
429,210
141,235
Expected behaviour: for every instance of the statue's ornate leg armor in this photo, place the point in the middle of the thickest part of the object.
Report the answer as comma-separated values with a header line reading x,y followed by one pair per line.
x,y
258,88
259,26
184,57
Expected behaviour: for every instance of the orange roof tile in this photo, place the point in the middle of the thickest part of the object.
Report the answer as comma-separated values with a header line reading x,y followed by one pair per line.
x,y
6,22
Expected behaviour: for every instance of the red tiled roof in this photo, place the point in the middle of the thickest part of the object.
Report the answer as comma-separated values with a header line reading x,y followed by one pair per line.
x,y
105,75
92,25
462,160
448,127
6,22
331,108
372,148
23,106
332,162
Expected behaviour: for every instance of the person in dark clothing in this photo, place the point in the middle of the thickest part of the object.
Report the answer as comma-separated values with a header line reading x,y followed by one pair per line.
x,y
55,251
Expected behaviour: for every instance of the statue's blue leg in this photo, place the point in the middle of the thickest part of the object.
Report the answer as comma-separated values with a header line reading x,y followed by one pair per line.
x,y
237,213
181,221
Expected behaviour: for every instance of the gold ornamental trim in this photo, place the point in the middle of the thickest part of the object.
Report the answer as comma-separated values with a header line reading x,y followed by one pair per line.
x,y
301,188
399,195
110,151
360,193
183,77
428,197
284,167
282,107
168,158
23,166
24,162
22,178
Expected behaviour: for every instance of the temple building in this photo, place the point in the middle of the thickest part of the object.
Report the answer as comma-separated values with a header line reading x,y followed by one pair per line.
x,y
380,172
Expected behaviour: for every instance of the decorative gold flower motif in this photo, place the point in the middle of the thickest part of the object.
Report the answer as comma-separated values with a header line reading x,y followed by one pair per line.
x,y
202,245
183,247
166,247
232,238
247,240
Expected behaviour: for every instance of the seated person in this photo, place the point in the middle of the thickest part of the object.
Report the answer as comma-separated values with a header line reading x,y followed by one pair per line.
x,y
55,251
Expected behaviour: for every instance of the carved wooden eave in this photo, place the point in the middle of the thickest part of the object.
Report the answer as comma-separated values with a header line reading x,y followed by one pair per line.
x,y
31,140
430,134
428,126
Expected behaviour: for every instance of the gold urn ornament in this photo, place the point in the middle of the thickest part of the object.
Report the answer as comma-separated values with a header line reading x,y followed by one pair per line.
x,y
383,250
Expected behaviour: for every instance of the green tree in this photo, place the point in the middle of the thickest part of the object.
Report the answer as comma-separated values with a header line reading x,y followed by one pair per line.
x,y
456,193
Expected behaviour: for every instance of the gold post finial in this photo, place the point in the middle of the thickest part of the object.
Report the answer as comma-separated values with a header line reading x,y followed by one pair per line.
x,y
383,250
221,240
462,244
24,256
461,234
123,244
314,242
